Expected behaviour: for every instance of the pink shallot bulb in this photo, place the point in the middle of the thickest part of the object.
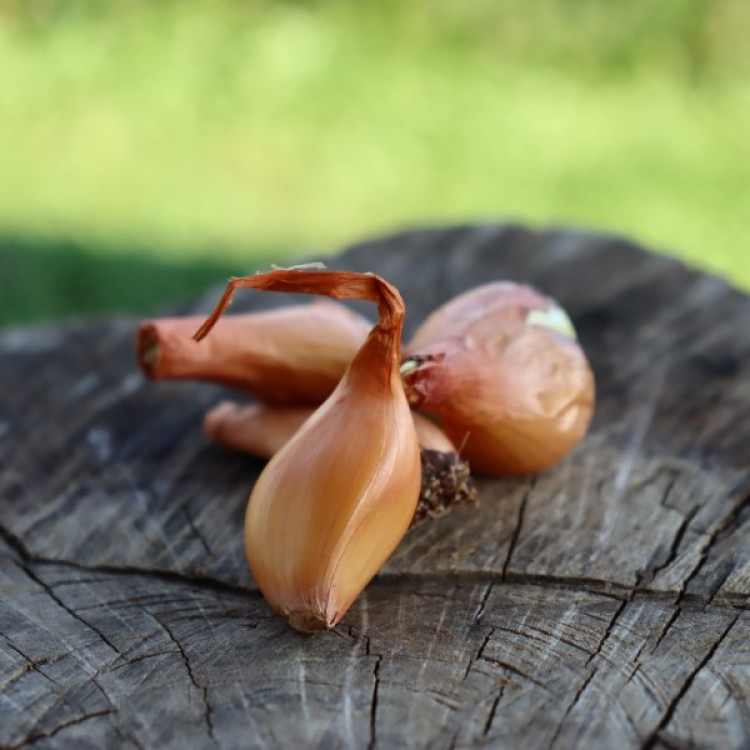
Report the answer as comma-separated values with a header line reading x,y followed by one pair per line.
x,y
502,369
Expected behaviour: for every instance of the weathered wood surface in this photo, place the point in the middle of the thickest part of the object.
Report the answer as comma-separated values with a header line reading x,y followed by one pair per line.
x,y
601,604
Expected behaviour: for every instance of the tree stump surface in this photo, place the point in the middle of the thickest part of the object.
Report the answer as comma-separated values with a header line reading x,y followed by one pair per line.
x,y
603,603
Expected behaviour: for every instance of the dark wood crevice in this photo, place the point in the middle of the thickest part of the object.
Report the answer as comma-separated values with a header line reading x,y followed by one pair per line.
x,y
652,739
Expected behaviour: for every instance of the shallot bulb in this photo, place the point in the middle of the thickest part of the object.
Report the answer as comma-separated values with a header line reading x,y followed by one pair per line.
x,y
502,369
260,430
332,504
292,356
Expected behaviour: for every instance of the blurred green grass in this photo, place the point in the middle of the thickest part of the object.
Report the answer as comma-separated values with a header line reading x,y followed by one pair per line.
x,y
215,129
44,279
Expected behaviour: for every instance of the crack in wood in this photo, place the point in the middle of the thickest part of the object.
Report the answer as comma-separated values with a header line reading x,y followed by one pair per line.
x,y
202,689
607,633
196,531
517,528
139,599
441,700
671,707
479,653
636,660
727,523
374,700
504,682
123,570
602,587
571,706
17,675
142,657
650,575
677,541
31,664
667,745
493,709
127,738
667,625
513,670
728,568
594,586
483,603
14,542
671,482
73,613
376,683
33,738
567,641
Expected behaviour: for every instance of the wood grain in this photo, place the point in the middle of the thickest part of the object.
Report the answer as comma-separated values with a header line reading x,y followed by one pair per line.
x,y
600,604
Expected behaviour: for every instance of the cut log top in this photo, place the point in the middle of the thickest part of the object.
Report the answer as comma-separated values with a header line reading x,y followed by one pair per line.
x,y
600,604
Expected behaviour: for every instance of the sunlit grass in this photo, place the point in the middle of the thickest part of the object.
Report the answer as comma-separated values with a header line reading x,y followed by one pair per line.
x,y
228,129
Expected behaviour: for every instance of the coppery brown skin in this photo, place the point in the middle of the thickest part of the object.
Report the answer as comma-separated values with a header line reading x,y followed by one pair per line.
x,y
255,429
291,356
261,431
452,318
332,504
518,396
538,382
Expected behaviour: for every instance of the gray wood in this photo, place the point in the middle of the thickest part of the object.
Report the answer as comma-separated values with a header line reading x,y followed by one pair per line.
x,y
600,604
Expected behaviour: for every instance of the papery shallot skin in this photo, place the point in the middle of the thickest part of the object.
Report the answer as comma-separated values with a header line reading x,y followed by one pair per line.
x,y
261,430
509,382
293,356
454,316
332,504
256,429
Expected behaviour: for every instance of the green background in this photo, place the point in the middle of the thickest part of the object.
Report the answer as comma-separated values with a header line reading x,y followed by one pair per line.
x,y
150,148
